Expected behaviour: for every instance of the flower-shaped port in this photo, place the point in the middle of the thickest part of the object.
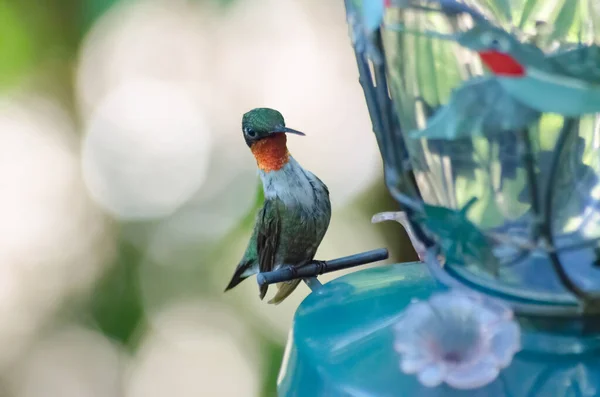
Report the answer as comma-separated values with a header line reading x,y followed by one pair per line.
x,y
458,338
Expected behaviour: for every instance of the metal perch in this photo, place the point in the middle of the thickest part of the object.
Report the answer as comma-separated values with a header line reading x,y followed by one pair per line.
x,y
315,268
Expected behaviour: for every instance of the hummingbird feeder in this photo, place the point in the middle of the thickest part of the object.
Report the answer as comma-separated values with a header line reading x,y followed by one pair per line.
x,y
487,117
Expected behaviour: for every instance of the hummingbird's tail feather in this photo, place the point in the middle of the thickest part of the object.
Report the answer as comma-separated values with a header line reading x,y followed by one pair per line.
x,y
284,290
242,272
263,291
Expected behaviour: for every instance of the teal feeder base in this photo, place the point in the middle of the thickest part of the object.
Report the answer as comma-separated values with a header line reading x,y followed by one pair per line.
x,y
341,344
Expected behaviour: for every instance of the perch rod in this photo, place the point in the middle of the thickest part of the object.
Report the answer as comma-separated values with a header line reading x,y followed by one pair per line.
x,y
315,268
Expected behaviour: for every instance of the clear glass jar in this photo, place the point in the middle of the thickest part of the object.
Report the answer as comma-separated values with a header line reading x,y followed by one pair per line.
x,y
530,170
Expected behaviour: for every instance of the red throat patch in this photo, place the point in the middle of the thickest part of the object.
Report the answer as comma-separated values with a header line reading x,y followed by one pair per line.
x,y
502,64
271,153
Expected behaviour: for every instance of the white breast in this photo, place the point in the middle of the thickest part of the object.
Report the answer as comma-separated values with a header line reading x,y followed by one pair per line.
x,y
291,184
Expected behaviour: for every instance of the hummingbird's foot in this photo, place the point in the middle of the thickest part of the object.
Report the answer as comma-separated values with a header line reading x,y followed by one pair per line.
x,y
294,272
321,267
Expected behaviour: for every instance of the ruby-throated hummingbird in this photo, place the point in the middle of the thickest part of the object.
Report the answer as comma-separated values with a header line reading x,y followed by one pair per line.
x,y
296,212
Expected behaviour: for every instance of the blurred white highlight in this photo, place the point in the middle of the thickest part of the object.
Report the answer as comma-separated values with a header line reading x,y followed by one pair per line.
x,y
54,239
72,362
146,150
194,349
159,39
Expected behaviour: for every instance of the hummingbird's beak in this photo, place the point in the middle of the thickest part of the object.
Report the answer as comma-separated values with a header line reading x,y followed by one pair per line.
x,y
286,130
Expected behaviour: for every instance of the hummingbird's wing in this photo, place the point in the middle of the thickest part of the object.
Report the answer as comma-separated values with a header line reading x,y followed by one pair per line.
x,y
262,247
582,62
479,107
268,228
321,184
248,265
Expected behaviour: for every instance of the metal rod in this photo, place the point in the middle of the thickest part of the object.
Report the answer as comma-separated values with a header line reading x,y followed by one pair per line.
x,y
532,183
588,299
394,148
542,221
366,82
376,100
315,268
396,155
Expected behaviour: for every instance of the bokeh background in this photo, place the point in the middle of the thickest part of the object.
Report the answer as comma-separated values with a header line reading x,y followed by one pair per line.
x,y
128,194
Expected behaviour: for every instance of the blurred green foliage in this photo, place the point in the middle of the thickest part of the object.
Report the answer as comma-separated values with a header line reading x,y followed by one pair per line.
x,y
116,307
17,45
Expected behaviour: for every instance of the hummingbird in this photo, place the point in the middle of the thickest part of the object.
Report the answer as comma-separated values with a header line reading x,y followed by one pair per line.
x,y
296,212
484,105
565,82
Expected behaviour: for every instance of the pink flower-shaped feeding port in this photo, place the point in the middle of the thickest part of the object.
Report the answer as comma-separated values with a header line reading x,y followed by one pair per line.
x,y
458,338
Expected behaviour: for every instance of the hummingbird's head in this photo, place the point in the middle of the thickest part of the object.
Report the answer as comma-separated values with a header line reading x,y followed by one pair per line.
x,y
261,123
264,132
498,50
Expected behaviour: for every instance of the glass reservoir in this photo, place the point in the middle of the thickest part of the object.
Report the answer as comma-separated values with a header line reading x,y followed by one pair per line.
x,y
528,176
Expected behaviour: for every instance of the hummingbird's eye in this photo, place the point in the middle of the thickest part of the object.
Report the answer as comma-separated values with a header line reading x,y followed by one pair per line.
x,y
251,133
503,44
495,42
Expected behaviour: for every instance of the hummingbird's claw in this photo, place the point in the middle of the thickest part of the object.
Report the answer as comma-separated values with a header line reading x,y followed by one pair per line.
x,y
321,266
